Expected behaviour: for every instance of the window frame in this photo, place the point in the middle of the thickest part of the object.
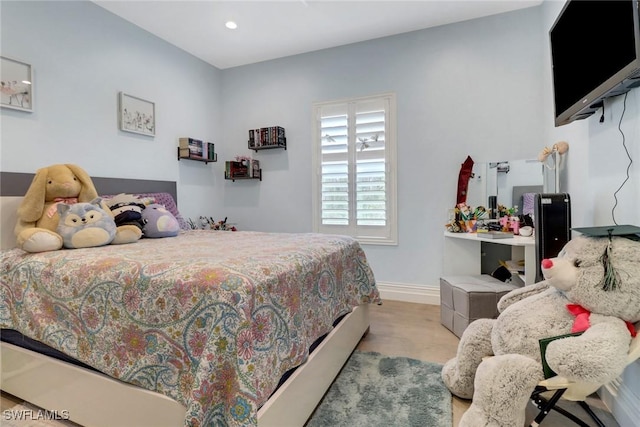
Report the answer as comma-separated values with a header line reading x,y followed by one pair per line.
x,y
364,234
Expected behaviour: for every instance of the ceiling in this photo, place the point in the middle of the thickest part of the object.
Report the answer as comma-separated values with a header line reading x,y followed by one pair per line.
x,y
274,29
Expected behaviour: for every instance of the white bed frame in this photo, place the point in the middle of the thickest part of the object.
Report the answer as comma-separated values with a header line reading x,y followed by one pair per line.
x,y
94,399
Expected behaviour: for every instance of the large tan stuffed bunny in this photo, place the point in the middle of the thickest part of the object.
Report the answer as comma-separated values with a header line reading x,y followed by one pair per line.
x,y
38,214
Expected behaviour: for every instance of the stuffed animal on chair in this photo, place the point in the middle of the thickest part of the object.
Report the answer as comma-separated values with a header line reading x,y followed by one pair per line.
x,y
38,215
592,287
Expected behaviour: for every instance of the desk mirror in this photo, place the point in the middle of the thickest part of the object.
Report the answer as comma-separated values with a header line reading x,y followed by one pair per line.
x,y
512,183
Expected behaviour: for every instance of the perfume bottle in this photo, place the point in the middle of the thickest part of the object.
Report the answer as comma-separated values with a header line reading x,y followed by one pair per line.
x,y
514,224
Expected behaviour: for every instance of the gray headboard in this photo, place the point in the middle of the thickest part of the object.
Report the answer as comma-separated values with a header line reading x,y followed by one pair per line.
x,y
16,184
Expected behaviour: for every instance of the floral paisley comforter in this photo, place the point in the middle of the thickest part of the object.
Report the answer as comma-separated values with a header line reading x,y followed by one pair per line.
x,y
211,319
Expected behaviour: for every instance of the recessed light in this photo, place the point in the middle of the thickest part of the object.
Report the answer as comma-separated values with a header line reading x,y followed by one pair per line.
x,y
231,25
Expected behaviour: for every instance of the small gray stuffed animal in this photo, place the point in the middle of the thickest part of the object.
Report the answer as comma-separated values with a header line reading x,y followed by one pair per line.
x,y
84,225
594,284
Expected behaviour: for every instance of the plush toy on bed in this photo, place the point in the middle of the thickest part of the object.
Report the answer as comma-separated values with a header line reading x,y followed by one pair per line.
x,y
159,222
38,215
127,210
85,225
593,286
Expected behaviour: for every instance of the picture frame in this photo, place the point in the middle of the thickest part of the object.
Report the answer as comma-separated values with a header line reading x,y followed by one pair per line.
x,y
136,115
16,85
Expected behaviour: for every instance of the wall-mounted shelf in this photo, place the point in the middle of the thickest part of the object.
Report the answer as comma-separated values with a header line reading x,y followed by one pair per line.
x,y
239,170
267,138
196,158
268,147
256,175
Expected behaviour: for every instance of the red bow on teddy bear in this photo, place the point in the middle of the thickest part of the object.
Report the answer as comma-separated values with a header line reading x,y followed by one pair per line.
x,y
581,323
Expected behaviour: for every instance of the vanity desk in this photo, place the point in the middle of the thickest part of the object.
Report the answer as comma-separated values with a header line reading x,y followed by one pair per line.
x,y
463,253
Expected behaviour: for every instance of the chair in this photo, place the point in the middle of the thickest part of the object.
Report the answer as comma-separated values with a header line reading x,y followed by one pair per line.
x,y
574,391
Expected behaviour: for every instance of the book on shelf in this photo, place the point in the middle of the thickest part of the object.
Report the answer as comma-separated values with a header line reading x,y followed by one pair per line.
x,y
208,151
236,170
188,142
515,266
205,150
494,235
254,138
255,167
278,135
195,146
268,136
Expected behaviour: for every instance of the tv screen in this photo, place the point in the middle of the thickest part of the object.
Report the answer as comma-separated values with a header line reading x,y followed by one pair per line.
x,y
594,54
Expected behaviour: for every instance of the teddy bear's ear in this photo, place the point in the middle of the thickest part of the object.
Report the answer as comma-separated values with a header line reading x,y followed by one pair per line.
x,y
88,191
32,206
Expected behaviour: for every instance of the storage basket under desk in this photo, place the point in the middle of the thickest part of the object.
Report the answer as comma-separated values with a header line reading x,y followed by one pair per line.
x,y
466,298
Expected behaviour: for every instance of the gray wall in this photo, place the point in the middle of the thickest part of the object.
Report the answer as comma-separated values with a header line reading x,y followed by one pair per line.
x,y
597,168
82,57
479,88
597,159
472,88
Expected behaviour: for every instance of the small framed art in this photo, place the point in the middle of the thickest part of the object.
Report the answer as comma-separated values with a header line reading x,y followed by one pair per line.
x,y
16,87
136,115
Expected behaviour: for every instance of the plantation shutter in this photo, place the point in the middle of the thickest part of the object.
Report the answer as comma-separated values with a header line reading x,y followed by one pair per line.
x,y
354,160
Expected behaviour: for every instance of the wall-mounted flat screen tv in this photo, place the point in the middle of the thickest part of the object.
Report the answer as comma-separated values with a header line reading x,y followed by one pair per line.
x,y
595,54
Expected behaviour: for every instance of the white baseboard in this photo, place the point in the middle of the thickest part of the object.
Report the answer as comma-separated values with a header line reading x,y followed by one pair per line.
x,y
622,402
410,293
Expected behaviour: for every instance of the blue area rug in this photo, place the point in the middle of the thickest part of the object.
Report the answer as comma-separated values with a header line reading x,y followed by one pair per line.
x,y
376,390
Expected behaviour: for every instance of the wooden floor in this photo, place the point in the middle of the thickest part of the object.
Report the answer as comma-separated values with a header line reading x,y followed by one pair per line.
x,y
412,330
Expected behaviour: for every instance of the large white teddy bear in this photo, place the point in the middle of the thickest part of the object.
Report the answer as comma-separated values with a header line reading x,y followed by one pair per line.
x,y
593,286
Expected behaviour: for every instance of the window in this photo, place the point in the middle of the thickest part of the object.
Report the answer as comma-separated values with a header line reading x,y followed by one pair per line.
x,y
354,182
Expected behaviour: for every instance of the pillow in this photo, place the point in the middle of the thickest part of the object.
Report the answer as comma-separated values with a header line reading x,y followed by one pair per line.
x,y
528,203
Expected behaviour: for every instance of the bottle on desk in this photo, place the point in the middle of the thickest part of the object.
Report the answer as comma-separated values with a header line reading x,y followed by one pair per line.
x,y
514,224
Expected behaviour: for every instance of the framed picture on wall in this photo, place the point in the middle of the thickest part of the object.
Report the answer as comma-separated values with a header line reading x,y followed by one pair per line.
x,y
16,86
136,115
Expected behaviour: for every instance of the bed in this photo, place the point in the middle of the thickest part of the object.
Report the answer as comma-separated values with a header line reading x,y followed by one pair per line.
x,y
197,329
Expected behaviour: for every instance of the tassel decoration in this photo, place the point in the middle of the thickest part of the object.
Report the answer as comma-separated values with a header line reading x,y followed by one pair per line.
x,y
611,278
